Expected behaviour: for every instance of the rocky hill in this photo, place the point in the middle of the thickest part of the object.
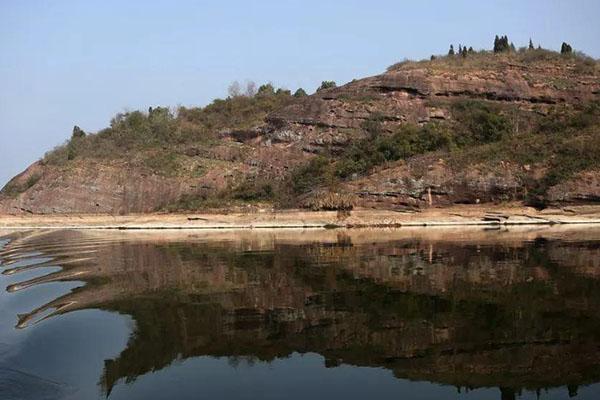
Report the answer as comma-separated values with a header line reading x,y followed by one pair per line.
x,y
483,127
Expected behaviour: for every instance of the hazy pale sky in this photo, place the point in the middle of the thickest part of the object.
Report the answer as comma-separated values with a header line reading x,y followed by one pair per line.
x,y
80,62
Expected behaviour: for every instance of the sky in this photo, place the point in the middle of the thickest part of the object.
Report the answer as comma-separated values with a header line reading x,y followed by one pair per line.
x,y
65,63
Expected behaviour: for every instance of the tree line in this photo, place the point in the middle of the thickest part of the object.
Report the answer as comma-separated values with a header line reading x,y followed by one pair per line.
x,y
502,45
267,89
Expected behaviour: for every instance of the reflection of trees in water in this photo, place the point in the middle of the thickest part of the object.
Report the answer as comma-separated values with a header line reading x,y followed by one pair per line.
x,y
513,316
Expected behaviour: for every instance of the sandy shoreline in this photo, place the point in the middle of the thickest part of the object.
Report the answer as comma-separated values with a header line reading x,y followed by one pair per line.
x,y
449,216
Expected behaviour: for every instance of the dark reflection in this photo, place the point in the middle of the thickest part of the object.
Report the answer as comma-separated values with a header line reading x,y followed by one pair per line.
x,y
512,310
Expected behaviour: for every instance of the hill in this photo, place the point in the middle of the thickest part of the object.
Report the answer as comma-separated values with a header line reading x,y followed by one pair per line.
x,y
471,128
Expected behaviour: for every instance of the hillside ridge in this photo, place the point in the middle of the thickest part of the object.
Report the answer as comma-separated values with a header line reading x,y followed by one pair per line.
x,y
460,129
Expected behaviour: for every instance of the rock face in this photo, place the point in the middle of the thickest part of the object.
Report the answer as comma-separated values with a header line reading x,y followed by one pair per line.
x,y
119,188
416,93
93,189
427,180
329,121
584,187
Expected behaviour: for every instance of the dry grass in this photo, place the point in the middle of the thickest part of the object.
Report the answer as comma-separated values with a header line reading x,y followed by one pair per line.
x,y
580,62
330,201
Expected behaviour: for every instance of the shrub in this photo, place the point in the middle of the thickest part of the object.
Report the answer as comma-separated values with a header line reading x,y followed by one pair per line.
x,y
479,122
562,144
56,156
300,93
32,180
537,55
407,141
566,48
71,151
588,116
558,122
77,132
373,126
266,90
189,202
330,201
310,175
13,189
326,85
251,190
136,132
348,166
163,163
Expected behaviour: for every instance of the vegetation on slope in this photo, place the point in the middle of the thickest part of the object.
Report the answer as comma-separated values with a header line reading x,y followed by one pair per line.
x,y
563,142
133,133
504,52
13,188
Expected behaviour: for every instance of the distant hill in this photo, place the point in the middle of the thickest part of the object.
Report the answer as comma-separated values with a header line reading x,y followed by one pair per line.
x,y
473,127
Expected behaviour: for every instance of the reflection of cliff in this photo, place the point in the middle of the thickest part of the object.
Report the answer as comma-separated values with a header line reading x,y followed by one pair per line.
x,y
470,313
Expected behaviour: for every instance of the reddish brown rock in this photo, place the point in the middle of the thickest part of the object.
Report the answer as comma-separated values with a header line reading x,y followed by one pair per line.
x,y
584,187
330,120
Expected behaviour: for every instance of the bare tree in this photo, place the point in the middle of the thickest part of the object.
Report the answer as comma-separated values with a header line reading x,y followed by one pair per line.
x,y
250,89
234,90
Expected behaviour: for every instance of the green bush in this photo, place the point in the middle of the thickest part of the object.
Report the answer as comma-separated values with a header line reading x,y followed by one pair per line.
x,y
373,126
283,92
77,132
310,175
479,122
563,144
135,132
346,167
558,121
326,85
194,202
408,141
164,163
300,93
251,190
588,116
266,90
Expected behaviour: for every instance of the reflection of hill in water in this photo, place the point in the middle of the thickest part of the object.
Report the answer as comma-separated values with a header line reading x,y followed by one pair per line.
x,y
478,309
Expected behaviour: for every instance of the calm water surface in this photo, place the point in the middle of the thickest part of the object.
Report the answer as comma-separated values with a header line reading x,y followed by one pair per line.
x,y
382,314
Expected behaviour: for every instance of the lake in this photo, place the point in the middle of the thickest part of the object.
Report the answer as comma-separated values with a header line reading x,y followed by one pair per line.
x,y
425,313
